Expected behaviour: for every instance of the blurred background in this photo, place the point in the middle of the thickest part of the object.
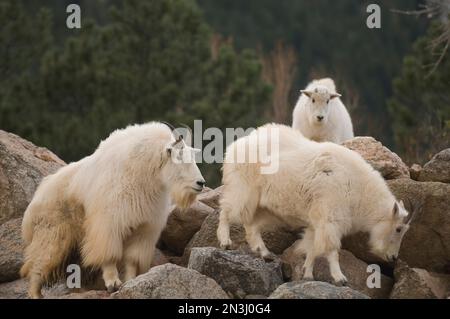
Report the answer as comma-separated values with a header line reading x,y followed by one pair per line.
x,y
231,63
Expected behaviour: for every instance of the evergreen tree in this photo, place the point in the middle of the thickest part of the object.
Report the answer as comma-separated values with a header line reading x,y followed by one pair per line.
x,y
420,107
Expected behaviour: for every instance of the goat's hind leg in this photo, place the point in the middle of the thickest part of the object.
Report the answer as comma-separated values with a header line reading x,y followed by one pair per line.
x,y
255,241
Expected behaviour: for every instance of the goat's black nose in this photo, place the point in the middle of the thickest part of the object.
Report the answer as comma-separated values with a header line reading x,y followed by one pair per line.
x,y
320,118
201,183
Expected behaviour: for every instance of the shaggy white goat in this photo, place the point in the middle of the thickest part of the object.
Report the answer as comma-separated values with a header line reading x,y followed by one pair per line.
x,y
324,186
111,205
320,114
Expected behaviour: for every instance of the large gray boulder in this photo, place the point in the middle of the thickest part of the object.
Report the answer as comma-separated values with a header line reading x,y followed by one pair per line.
x,y
182,224
276,241
11,250
170,281
437,169
314,290
353,268
237,272
22,167
389,164
18,289
416,283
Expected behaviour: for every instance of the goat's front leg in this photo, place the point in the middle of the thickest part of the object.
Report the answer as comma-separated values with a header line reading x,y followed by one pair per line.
x,y
335,270
111,276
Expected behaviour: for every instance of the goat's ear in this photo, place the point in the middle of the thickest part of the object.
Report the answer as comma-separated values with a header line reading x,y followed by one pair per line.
x,y
333,95
395,210
306,92
401,204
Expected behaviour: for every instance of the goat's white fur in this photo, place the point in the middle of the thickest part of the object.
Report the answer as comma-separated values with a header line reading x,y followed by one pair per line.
x,y
112,205
336,125
324,186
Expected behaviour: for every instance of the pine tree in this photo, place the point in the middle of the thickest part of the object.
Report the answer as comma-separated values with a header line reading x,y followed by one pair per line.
x,y
420,107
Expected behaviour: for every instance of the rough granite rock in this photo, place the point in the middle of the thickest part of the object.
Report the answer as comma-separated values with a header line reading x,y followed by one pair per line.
x,y
414,171
314,290
22,167
170,281
389,164
416,283
182,225
437,169
276,241
354,269
237,272
212,197
18,290
11,250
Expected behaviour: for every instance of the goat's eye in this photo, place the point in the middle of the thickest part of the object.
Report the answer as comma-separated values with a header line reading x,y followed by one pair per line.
x,y
314,101
328,101
398,229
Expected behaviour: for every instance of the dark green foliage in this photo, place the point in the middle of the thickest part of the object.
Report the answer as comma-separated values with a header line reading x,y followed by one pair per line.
x,y
420,108
151,60
331,39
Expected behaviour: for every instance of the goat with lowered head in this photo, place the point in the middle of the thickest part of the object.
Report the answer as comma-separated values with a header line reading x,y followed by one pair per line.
x,y
325,187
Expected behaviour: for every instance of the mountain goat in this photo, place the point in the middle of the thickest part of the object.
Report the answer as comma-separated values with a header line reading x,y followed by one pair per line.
x,y
324,187
320,114
110,206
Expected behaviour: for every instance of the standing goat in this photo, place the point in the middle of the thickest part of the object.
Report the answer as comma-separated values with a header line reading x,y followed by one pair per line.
x,y
325,187
320,114
111,205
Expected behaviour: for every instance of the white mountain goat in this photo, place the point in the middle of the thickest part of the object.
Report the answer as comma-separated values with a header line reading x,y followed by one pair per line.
x,y
324,187
320,114
111,206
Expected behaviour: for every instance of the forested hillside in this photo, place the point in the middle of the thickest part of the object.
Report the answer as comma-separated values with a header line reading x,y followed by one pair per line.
x,y
230,63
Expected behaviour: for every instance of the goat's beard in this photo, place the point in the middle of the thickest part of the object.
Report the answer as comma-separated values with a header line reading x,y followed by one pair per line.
x,y
183,197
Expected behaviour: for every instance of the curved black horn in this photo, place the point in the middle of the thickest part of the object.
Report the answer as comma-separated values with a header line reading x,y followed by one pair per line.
x,y
189,136
169,125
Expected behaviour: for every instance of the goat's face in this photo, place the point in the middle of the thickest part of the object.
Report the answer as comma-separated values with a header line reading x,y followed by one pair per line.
x,y
181,173
318,105
386,236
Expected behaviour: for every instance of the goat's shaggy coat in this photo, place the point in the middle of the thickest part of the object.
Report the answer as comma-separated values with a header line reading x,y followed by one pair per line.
x,y
320,114
111,205
324,186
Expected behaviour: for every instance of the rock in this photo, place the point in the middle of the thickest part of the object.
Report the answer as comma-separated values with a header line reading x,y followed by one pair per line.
x,y
358,245
11,250
437,169
380,157
425,245
212,197
354,269
91,294
314,290
276,241
414,171
238,273
416,283
18,290
159,258
182,225
170,281
22,167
